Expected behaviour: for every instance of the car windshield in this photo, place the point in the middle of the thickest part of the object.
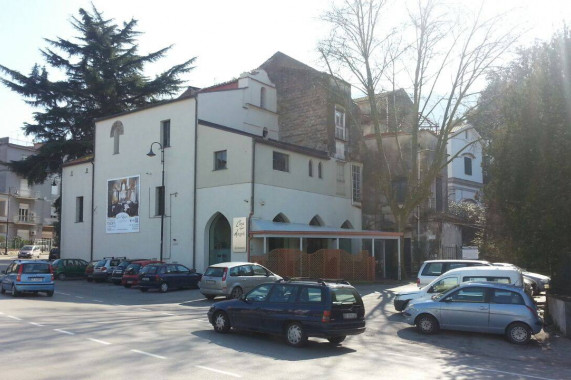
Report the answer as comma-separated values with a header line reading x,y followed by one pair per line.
x,y
26,247
39,268
214,272
440,295
101,263
123,265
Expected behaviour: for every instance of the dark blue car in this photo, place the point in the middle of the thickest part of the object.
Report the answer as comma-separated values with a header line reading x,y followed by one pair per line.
x,y
167,276
296,310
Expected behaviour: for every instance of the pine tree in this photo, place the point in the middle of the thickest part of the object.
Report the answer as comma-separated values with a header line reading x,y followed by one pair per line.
x,y
103,76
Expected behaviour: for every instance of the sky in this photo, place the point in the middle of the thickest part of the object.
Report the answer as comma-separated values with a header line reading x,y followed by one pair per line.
x,y
228,37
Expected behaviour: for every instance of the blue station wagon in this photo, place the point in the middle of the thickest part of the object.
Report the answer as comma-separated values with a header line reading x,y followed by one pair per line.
x,y
296,310
28,276
167,276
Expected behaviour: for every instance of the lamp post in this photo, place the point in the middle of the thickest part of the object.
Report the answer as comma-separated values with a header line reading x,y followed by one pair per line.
x,y
162,193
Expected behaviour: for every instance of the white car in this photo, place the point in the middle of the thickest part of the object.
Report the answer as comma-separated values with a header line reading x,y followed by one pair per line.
x,y
29,252
431,269
456,276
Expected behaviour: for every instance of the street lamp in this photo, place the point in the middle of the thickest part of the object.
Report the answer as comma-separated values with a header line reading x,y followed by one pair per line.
x,y
162,193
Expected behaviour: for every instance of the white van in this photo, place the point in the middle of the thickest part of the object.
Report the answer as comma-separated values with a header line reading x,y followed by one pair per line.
x,y
431,269
454,277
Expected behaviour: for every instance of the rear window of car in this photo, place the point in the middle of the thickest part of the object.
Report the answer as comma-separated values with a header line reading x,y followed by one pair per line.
x,y
40,268
432,269
310,295
341,296
150,269
114,263
101,263
214,272
26,247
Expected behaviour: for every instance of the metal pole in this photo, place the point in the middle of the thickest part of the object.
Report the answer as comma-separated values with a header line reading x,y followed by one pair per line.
x,y
399,252
163,200
7,221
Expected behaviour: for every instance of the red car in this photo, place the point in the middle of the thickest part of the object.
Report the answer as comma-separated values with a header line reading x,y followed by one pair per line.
x,y
131,274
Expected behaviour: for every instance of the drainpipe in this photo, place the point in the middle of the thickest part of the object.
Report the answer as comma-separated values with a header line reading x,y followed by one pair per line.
x,y
92,205
253,175
194,191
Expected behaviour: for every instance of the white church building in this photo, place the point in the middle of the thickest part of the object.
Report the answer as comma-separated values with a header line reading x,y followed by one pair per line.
x,y
218,186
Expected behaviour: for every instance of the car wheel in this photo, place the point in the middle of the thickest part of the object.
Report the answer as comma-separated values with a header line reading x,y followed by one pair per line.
x,y
15,293
127,286
221,322
209,297
144,290
518,333
336,339
295,335
164,287
61,276
427,324
50,293
236,292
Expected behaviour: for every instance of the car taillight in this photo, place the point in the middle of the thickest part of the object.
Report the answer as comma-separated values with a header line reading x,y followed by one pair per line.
x,y
103,269
20,270
224,275
326,316
52,272
418,282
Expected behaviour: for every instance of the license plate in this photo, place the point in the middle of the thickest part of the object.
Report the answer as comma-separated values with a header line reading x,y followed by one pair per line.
x,y
349,315
212,282
36,279
129,282
145,279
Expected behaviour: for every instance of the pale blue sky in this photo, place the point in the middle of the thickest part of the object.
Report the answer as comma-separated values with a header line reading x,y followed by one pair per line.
x,y
228,36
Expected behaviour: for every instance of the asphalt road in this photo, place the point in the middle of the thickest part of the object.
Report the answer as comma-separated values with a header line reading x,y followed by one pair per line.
x,y
103,331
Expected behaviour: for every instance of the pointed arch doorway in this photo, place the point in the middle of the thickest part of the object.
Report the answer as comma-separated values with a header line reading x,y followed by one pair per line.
x,y
219,240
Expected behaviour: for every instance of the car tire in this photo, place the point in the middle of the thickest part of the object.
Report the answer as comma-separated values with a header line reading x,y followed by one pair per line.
x,y
164,287
209,297
236,293
15,293
427,324
336,339
50,293
295,335
221,322
144,290
61,276
518,333
127,286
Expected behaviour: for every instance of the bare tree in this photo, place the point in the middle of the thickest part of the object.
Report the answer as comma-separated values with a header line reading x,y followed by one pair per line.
x,y
439,66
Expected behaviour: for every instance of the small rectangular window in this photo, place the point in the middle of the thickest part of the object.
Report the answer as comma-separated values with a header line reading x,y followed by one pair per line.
x,y
340,172
356,176
340,132
467,166
220,160
160,201
281,162
79,209
166,133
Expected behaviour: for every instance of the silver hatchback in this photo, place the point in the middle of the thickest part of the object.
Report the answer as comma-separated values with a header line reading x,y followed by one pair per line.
x,y
232,279
479,307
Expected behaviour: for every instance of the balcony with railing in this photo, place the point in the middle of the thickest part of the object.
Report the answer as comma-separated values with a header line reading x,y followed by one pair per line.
x,y
26,194
25,219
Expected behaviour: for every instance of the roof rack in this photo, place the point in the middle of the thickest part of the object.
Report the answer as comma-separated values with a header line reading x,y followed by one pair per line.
x,y
322,281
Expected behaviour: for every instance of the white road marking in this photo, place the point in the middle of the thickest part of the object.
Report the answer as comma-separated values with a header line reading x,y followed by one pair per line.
x,y
65,294
35,324
218,371
148,354
97,301
509,373
16,318
64,332
144,309
99,341
167,313
80,297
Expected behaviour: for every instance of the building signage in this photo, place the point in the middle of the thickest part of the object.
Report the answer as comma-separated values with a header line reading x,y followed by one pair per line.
x,y
122,205
239,234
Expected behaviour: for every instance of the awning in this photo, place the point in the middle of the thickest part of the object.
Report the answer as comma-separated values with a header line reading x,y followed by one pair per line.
x,y
267,228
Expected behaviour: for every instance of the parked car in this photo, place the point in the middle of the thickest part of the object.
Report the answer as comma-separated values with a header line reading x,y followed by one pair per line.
x,y
167,276
117,274
103,269
538,282
478,307
456,276
431,269
54,254
232,279
131,274
296,309
65,268
29,252
28,276
89,270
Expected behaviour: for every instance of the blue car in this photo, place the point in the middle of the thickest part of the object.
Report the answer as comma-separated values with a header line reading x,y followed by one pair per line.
x,y
296,310
167,276
28,276
479,307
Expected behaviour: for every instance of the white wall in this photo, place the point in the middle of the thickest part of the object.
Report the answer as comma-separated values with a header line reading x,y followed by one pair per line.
x,y
75,240
459,187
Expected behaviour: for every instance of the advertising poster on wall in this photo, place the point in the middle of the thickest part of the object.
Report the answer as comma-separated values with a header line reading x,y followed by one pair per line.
x,y
239,234
122,205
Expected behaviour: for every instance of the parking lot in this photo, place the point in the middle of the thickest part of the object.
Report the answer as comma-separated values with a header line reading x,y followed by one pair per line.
x,y
95,331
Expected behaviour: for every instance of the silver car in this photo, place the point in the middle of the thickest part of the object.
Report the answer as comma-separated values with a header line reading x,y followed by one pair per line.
x,y
232,279
479,307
